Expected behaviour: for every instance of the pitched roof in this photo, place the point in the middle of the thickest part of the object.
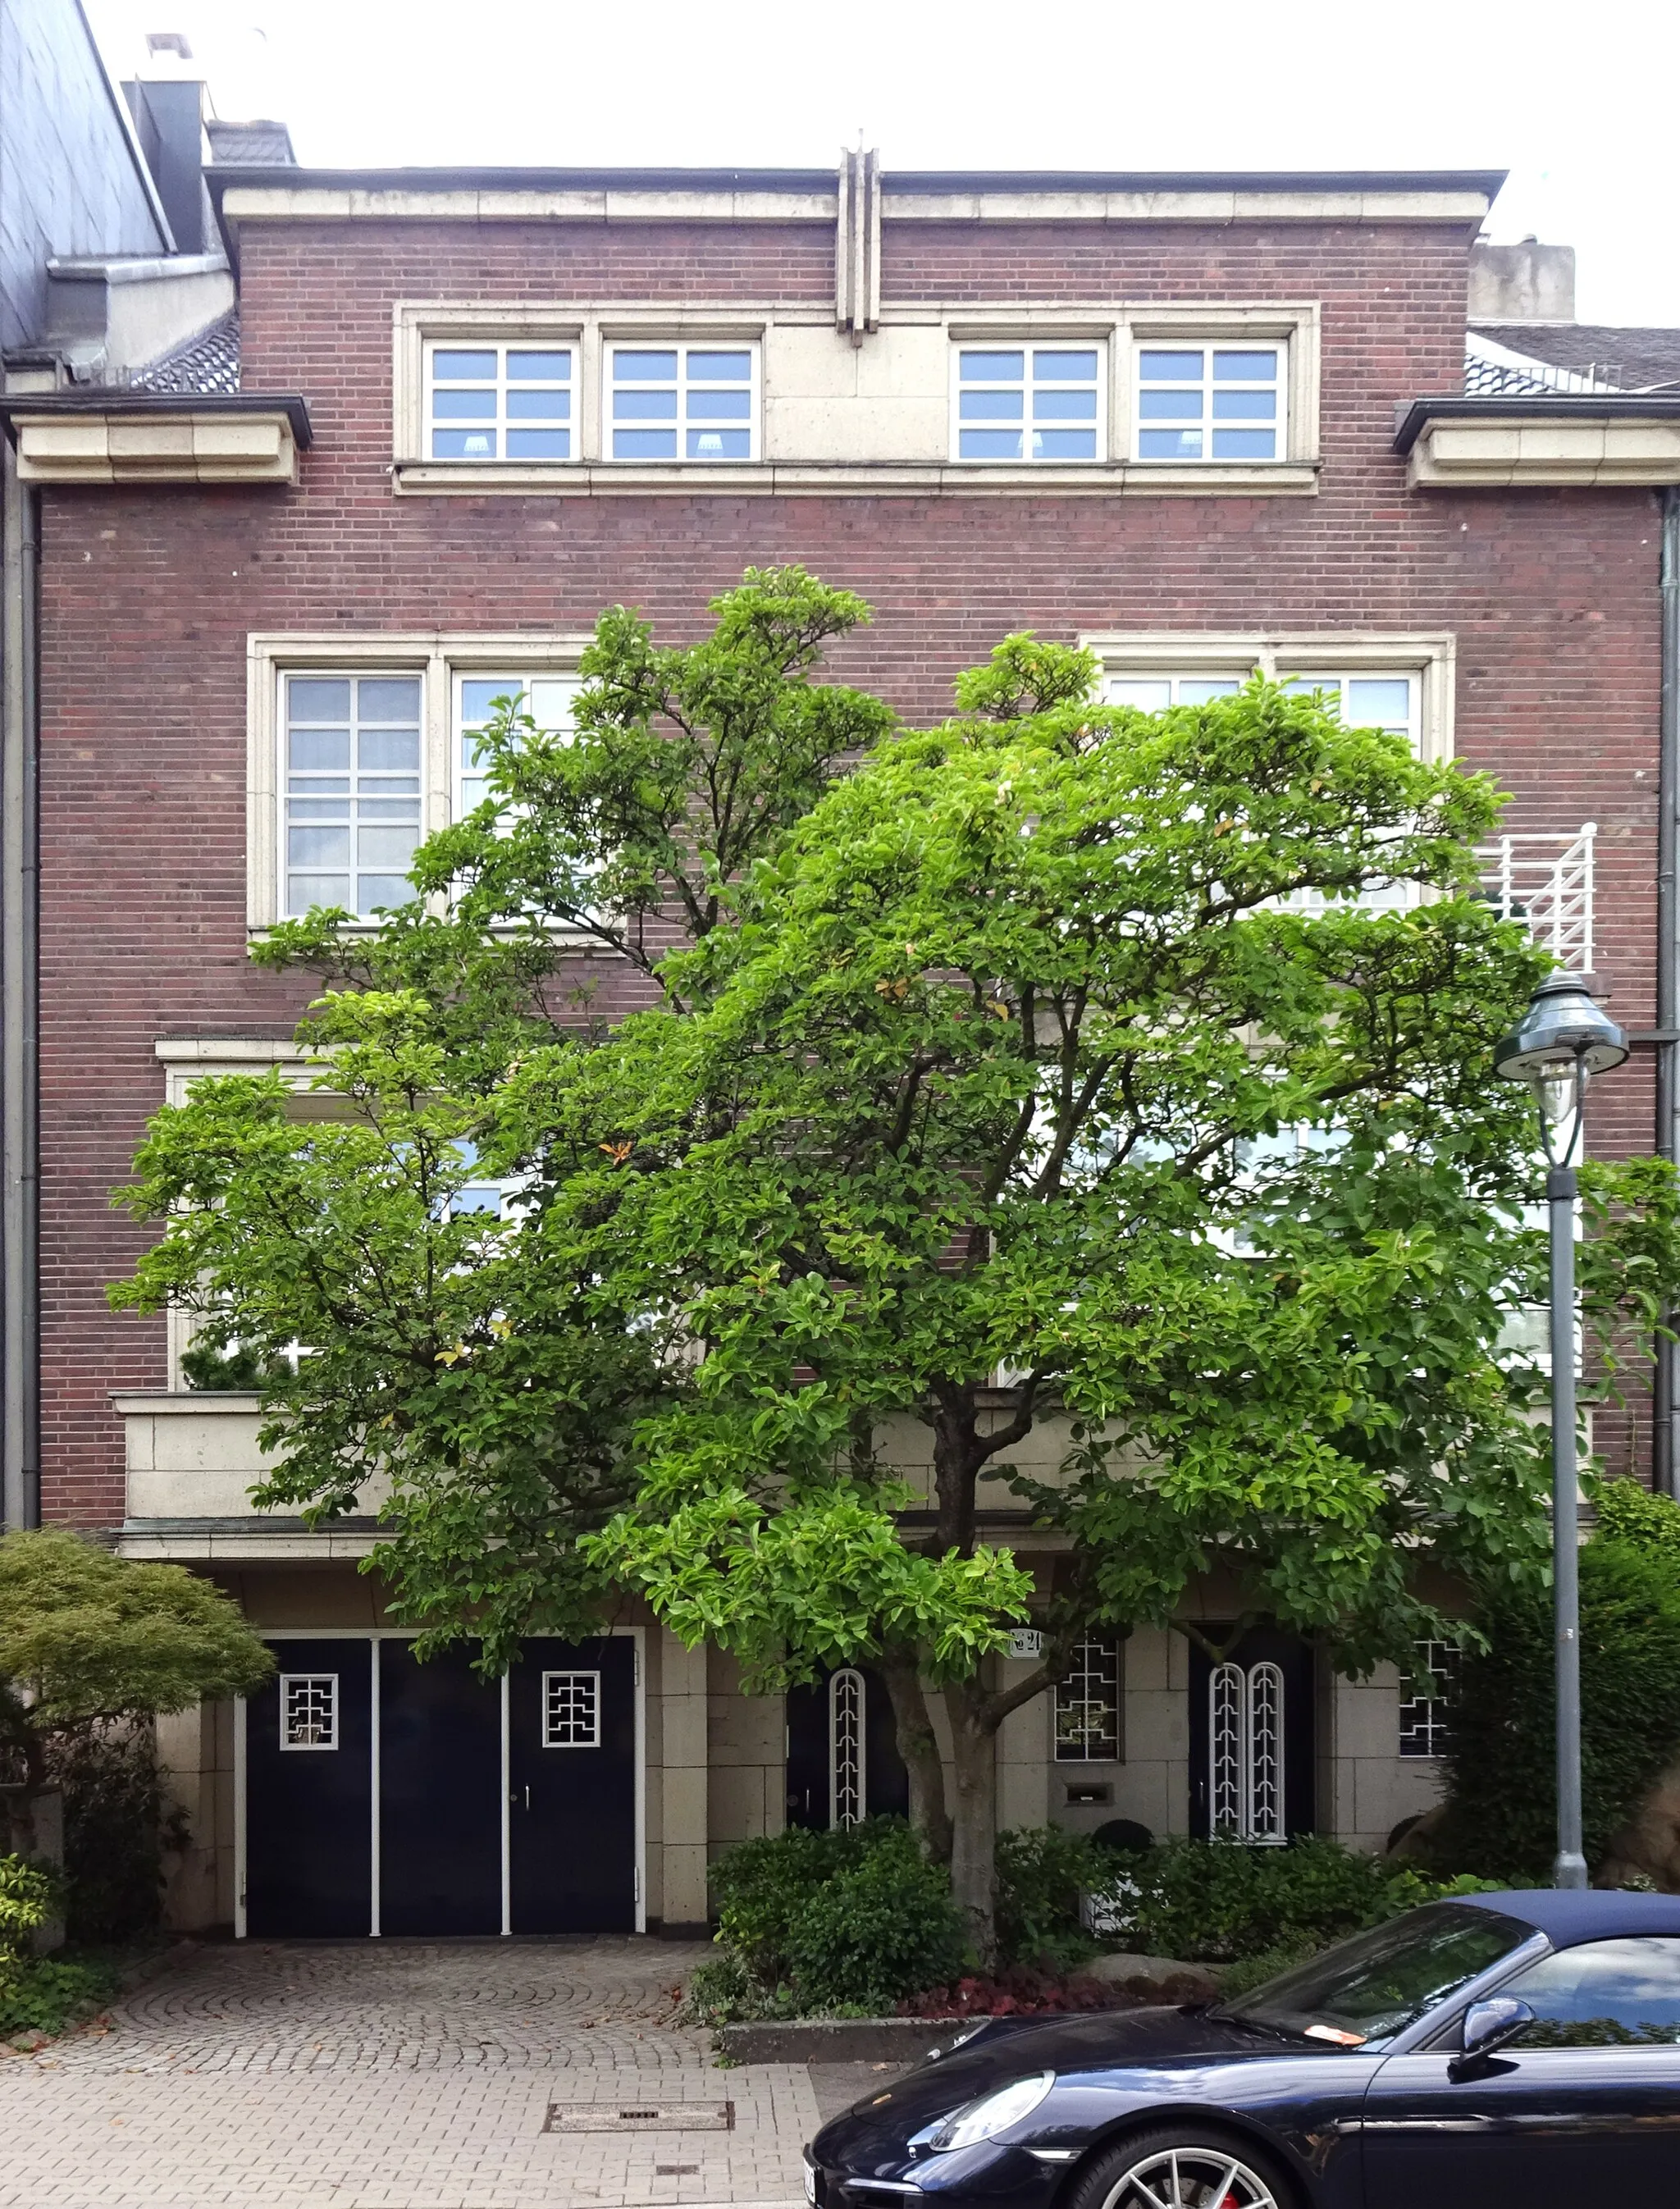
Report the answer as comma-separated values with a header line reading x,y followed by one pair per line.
x,y
1614,355
208,362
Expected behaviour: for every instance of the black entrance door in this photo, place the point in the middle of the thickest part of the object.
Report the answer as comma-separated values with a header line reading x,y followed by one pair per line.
x,y
1251,1736
308,1794
824,1738
571,1778
440,1794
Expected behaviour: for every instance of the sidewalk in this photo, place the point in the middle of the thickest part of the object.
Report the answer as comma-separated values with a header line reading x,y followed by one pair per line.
x,y
396,2075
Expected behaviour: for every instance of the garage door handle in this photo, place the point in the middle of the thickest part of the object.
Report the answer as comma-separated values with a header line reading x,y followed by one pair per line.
x,y
514,1797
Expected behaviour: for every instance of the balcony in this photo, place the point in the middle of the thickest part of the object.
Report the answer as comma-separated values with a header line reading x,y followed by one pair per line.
x,y
193,1459
1545,881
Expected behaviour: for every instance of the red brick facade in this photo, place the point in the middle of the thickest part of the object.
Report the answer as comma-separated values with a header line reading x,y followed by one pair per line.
x,y
148,595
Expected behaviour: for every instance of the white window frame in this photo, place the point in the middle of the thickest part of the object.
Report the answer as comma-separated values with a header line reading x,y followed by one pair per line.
x,y
513,679
1429,660
308,1681
1206,423
828,418
352,778
1026,343
501,384
1293,327
570,1675
438,657
640,341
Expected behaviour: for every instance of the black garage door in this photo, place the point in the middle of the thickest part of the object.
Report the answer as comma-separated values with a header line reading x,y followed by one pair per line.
x,y
384,1795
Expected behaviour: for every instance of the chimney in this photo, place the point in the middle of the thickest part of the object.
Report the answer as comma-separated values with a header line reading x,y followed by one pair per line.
x,y
168,105
1527,282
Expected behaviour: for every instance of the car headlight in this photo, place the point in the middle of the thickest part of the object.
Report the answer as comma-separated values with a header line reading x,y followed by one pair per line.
x,y
993,2113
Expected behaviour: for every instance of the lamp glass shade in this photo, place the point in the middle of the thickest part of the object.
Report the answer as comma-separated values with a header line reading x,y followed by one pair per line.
x,y
1563,1028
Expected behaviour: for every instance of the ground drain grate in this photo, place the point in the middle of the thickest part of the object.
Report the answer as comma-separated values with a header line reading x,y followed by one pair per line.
x,y
667,2117
675,2170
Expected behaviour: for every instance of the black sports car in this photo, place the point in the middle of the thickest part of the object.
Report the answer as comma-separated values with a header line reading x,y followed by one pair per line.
x,y
1516,2048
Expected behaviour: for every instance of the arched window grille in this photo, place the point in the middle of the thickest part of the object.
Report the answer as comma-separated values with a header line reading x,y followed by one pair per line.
x,y
848,1776
1246,1717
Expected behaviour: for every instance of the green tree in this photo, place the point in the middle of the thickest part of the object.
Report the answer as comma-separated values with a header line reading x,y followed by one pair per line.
x,y
1051,1080
89,1640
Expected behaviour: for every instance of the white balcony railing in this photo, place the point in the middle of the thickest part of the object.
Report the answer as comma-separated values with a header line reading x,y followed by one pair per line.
x,y
1547,881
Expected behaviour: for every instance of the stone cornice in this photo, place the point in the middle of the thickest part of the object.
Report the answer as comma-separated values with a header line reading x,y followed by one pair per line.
x,y
1588,441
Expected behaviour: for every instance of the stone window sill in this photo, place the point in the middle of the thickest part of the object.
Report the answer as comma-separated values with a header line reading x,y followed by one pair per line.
x,y
874,479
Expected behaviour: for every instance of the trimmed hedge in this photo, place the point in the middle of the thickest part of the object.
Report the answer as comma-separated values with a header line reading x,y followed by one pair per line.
x,y
1501,1795
1220,1902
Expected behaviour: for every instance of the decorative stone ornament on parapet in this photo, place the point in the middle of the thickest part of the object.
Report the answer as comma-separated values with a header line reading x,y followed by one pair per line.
x,y
857,243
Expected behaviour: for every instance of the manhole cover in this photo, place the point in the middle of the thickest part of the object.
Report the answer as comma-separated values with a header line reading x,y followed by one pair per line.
x,y
640,2117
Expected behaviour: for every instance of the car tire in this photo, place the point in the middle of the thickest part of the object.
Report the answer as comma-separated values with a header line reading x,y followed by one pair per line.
x,y
1215,2171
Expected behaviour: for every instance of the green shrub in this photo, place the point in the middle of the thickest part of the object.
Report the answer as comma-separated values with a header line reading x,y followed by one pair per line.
x,y
115,1828
1219,1901
29,1895
44,1994
1628,1513
1042,1872
852,1920
1501,1787
880,1929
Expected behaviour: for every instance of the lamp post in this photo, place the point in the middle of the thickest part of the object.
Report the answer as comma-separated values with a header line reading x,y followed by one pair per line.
x,y
1564,1040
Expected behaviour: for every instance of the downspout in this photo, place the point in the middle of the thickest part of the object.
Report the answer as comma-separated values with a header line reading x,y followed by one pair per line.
x,y
1666,1423
20,1004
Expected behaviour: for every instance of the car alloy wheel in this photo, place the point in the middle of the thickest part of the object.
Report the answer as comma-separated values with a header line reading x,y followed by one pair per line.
x,y
1188,2177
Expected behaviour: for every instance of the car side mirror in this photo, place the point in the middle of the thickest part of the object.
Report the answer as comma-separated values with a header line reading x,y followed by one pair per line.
x,y
1488,2025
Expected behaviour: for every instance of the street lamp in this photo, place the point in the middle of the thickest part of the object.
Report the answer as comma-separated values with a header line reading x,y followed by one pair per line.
x,y
1564,1040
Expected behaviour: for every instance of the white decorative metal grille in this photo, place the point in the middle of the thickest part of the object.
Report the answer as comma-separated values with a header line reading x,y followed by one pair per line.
x,y
571,1710
1264,1774
1245,1775
1087,1706
1545,881
1425,1719
848,1773
309,1710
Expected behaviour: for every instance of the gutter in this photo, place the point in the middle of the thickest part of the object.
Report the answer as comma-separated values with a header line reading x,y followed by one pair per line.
x,y
118,401
222,177
20,1004
1575,407
1666,1422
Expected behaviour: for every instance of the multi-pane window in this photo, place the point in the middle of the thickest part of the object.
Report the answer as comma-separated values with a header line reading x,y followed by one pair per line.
x,y
1363,701
1211,402
1366,702
1026,402
1424,1718
571,1710
547,698
682,402
1153,694
499,402
309,1710
352,745
1087,1706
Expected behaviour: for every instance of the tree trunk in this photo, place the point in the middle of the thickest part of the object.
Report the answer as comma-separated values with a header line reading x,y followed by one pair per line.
x,y
974,1827
919,1748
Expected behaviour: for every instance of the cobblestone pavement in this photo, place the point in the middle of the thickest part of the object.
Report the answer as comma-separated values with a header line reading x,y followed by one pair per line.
x,y
398,2075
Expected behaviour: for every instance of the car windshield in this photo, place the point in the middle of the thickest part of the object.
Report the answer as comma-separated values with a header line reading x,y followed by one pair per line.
x,y
1369,1987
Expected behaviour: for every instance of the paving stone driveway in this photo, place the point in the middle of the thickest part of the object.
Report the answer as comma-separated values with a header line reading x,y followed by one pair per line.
x,y
397,2075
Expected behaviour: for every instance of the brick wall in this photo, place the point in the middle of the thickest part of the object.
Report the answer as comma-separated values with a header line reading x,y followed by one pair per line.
x,y
148,594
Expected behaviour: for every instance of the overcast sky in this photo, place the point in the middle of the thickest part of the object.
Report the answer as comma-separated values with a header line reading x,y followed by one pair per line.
x,y
1577,102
